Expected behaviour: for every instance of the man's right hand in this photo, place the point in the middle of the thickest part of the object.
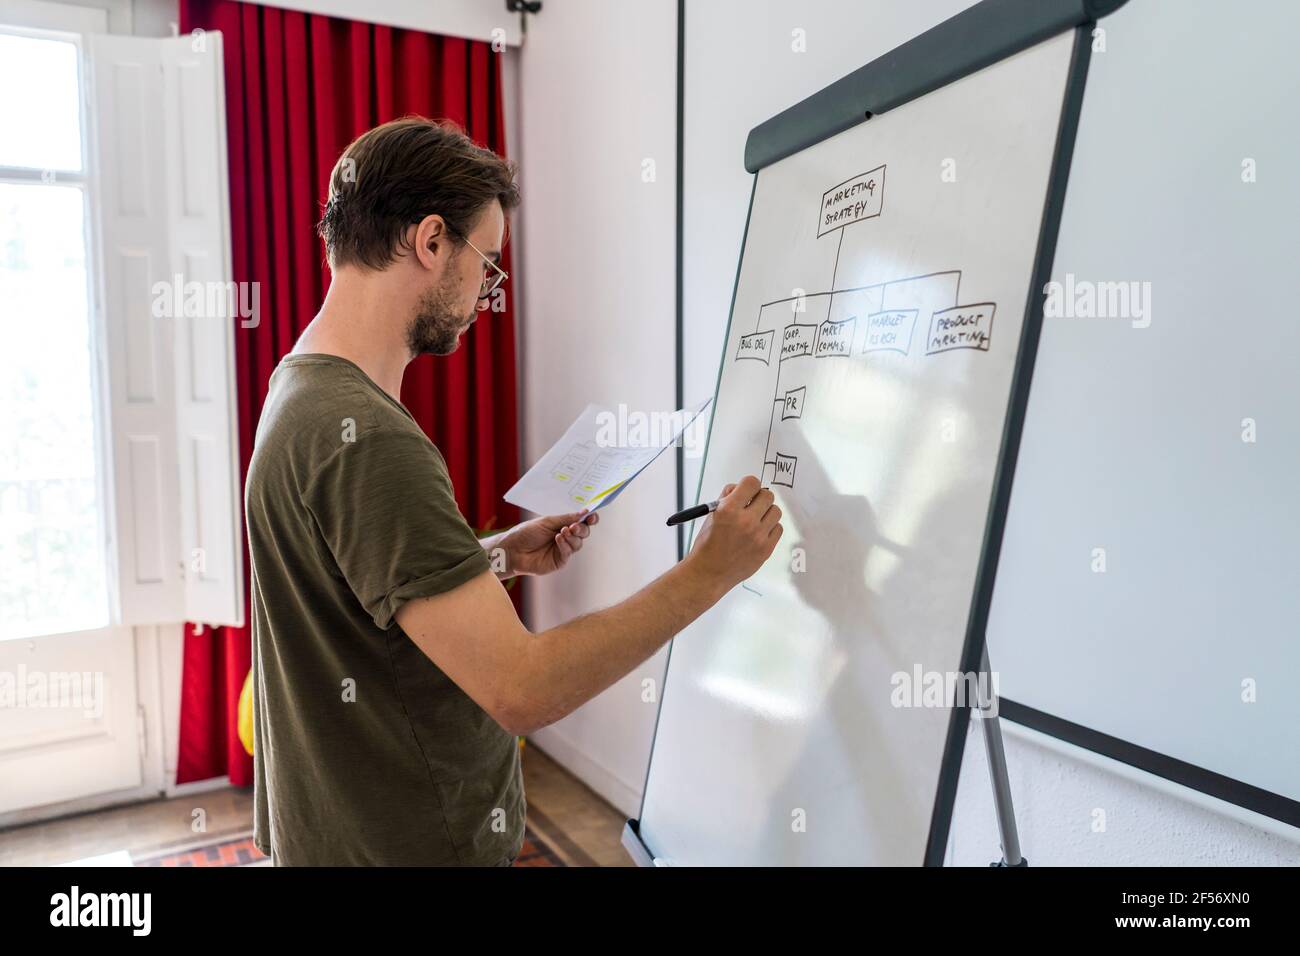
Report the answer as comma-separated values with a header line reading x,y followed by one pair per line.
x,y
739,536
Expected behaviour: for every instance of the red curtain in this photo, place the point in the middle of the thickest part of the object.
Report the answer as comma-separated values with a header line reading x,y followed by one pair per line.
x,y
299,88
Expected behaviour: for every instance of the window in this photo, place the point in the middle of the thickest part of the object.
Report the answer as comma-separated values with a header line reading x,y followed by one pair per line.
x,y
119,465
54,567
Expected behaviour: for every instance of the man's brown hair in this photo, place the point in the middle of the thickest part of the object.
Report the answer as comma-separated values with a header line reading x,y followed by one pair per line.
x,y
396,174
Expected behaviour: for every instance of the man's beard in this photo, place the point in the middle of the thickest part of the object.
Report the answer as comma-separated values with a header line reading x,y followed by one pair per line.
x,y
436,328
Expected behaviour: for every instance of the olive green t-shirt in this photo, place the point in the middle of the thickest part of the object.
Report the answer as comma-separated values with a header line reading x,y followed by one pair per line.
x,y
364,751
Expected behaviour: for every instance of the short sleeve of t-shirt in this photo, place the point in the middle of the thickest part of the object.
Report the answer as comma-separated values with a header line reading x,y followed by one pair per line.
x,y
386,510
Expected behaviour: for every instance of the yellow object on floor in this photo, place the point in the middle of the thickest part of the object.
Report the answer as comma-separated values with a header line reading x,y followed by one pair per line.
x,y
245,717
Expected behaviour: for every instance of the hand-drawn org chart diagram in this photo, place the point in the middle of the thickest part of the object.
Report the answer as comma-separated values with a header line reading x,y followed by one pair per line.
x,y
911,315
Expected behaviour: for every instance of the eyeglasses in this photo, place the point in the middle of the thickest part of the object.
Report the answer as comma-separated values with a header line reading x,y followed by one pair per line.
x,y
490,279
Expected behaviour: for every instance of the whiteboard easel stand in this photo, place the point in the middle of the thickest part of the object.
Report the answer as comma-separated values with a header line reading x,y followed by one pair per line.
x,y
979,36
998,776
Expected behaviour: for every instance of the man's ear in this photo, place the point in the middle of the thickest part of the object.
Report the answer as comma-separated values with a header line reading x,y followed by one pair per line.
x,y
432,242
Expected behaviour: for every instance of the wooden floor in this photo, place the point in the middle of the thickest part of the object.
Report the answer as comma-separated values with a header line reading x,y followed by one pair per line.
x,y
578,826
569,816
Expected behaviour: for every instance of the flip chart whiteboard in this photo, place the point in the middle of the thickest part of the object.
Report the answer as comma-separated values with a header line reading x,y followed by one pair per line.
x,y
874,341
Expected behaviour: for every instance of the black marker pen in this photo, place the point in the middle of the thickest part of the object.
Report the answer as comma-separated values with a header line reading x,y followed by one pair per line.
x,y
690,514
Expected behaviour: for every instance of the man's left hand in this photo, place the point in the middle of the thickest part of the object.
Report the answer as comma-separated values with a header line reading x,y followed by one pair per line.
x,y
545,544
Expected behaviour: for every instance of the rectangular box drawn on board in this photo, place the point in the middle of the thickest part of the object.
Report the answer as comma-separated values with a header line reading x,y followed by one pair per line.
x,y
796,340
961,327
862,197
792,404
783,470
890,331
835,338
756,345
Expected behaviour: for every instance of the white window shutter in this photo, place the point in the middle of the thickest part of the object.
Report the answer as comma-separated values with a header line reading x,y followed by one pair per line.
x,y
207,416
159,137
126,103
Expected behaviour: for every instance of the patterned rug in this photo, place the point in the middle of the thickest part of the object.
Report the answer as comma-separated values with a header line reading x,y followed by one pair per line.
x,y
221,851
536,852
239,850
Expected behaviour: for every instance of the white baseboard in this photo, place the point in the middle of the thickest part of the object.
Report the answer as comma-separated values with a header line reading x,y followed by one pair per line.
x,y
555,745
72,808
197,786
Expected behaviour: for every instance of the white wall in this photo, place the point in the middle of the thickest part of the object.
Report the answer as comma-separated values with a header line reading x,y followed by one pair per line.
x,y
472,19
1075,808
144,18
597,99
462,18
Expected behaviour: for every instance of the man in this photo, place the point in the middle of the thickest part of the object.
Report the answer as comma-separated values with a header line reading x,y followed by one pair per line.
x,y
391,672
